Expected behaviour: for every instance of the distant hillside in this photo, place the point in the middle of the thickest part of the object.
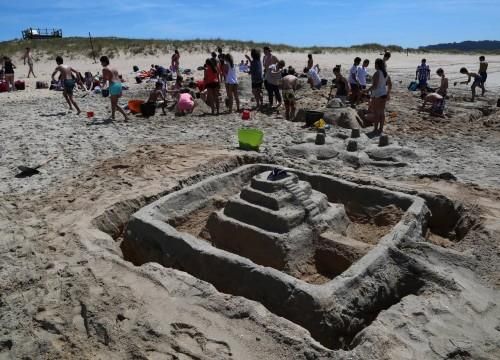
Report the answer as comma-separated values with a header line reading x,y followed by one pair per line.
x,y
490,46
80,46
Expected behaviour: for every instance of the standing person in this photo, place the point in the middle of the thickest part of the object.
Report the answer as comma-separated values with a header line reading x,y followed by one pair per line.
x,y
111,75
175,62
27,57
66,75
478,81
268,60
231,82
341,83
310,62
387,56
289,85
443,87
8,68
380,94
256,75
423,74
483,68
354,81
363,73
211,80
273,81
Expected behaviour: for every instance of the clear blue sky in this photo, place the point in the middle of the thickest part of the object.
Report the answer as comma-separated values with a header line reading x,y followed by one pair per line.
x,y
304,23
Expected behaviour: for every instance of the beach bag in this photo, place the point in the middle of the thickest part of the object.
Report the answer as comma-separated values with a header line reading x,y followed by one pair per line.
x,y
413,86
20,85
42,85
4,86
324,82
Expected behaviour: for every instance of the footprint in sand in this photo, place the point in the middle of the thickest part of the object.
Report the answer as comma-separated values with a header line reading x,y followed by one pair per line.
x,y
193,343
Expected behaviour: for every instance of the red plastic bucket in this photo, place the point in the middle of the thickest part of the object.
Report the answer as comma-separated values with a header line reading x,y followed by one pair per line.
x,y
90,114
245,115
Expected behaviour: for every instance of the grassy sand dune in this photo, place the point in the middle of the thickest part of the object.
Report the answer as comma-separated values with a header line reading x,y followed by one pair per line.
x,y
73,47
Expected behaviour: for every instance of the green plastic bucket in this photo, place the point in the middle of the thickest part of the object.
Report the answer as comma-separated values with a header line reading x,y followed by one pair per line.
x,y
250,139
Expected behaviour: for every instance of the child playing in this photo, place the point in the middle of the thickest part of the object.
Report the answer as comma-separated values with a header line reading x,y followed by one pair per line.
x,y
478,81
443,88
185,103
66,75
157,94
483,68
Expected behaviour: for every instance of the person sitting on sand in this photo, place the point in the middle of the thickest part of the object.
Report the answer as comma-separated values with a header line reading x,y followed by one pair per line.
x,y
483,68
478,81
185,102
211,80
243,67
157,94
354,82
66,75
88,81
443,87
423,74
313,78
380,94
231,83
256,76
342,84
28,58
289,85
110,75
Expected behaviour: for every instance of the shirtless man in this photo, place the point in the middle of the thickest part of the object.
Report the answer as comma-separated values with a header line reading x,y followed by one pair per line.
x,y
478,81
68,82
289,85
111,75
483,68
27,57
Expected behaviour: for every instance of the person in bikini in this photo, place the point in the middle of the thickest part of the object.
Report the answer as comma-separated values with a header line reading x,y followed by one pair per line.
x,y
66,75
478,81
28,58
110,75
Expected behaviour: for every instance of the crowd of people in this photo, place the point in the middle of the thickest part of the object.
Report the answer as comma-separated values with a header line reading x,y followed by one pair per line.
x,y
266,72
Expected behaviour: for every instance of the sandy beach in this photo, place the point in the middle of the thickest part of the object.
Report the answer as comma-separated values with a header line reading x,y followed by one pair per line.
x,y
66,290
